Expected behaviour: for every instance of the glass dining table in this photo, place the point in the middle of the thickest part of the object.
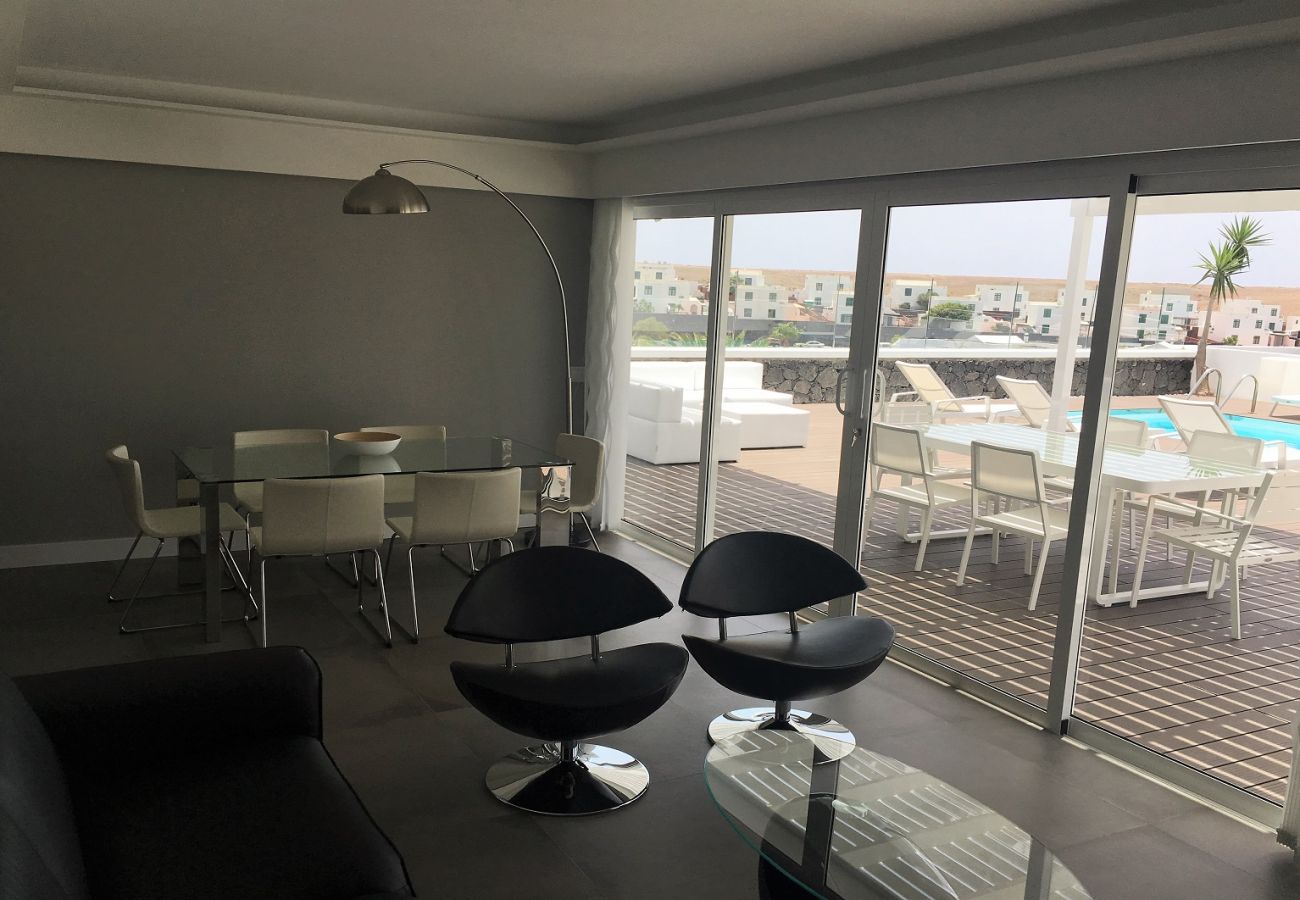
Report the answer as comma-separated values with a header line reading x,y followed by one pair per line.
x,y
214,468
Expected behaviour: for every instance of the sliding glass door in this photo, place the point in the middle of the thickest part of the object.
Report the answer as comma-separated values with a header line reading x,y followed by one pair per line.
x,y
670,303
984,320
992,362
786,349
1199,660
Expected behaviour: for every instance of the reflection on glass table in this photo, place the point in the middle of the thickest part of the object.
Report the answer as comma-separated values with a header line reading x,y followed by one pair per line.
x,y
868,826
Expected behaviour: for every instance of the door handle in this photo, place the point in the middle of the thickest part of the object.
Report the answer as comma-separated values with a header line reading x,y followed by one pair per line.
x,y
839,387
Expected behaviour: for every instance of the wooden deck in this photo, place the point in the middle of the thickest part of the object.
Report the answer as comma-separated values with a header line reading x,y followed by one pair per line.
x,y
1166,675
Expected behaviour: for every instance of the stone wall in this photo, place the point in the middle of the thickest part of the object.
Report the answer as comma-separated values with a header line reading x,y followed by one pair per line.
x,y
813,380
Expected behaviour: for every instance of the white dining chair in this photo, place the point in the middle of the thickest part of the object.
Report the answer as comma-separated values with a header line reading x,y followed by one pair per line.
x,y
929,388
457,508
586,481
1226,539
248,494
897,450
1213,447
162,524
323,517
400,489
1001,474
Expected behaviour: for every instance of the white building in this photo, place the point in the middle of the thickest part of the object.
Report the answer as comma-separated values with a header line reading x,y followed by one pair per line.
x,y
657,284
756,299
1252,323
911,290
1001,298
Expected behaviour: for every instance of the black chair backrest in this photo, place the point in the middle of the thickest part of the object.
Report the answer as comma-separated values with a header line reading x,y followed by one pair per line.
x,y
551,594
757,572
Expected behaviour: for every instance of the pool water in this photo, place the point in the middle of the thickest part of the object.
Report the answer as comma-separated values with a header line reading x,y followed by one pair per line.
x,y
1246,426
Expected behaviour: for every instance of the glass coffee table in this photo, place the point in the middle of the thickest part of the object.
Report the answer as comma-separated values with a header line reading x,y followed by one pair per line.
x,y
865,826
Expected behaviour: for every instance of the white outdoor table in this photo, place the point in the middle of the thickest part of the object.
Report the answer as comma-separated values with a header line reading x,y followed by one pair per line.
x,y
1123,469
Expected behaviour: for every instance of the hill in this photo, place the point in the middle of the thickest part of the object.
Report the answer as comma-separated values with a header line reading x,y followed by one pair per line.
x,y
1288,298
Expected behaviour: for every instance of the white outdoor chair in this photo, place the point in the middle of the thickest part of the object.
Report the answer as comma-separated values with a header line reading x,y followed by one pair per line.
x,y
897,450
168,523
1227,540
586,480
1190,416
929,388
1211,446
997,474
399,489
248,495
458,508
320,517
1032,402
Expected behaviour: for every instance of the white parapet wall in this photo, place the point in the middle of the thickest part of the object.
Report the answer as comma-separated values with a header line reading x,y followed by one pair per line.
x,y
1277,368
1181,351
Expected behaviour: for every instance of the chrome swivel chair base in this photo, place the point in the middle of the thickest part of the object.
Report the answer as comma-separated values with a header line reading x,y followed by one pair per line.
x,y
569,779
832,738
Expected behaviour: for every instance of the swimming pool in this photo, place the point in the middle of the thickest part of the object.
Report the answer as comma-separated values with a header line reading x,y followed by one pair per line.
x,y
1246,426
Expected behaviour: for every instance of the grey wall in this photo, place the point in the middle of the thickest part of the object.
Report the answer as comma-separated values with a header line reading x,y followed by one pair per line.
x,y
162,306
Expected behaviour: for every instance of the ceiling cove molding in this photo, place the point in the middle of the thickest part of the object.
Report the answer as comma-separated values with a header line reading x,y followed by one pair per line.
x,y
56,123
126,87
1023,56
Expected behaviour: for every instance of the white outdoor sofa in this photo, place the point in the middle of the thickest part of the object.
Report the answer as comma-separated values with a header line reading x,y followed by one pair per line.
x,y
662,430
665,399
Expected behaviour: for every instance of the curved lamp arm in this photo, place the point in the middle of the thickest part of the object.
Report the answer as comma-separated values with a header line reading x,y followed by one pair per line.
x,y
559,282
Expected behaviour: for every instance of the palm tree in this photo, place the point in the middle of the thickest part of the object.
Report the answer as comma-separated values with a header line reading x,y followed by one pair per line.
x,y
1223,262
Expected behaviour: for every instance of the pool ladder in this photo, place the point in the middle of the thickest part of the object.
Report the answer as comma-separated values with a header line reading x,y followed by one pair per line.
x,y
1219,397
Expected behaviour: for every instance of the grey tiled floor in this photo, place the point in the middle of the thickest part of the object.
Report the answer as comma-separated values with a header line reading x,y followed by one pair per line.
x,y
417,754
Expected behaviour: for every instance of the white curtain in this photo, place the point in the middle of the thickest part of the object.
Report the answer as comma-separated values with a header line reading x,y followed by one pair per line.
x,y
609,345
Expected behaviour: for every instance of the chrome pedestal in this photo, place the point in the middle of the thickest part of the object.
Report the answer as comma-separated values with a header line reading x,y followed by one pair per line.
x,y
570,779
831,738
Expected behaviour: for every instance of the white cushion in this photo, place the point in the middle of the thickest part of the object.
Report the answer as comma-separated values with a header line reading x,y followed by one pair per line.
x,y
662,443
768,425
740,374
654,402
673,373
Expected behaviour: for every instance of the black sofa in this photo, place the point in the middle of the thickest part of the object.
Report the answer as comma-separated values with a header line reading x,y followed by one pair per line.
x,y
202,776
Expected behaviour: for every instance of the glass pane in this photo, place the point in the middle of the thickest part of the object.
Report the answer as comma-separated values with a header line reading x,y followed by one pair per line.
x,y
985,316
790,312
1169,673
666,382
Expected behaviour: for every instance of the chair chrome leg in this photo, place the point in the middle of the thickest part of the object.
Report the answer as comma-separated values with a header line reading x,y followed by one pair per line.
x,y
356,579
415,612
262,564
136,593
832,739
122,568
567,779
388,560
383,601
590,533
471,571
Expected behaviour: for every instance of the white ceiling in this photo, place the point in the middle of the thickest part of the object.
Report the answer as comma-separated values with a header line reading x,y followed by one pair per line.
x,y
562,69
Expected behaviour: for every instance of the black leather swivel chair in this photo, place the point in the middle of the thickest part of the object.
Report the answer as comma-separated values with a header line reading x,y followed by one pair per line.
x,y
760,572
555,594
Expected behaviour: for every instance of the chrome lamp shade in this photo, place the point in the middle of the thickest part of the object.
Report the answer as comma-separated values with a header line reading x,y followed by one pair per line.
x,y
384,193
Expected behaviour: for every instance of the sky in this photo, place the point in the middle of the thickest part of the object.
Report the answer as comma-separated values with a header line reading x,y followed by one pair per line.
x,y
1027,239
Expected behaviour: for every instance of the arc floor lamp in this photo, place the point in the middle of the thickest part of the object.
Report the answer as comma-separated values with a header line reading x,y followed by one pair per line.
x,y
384,193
